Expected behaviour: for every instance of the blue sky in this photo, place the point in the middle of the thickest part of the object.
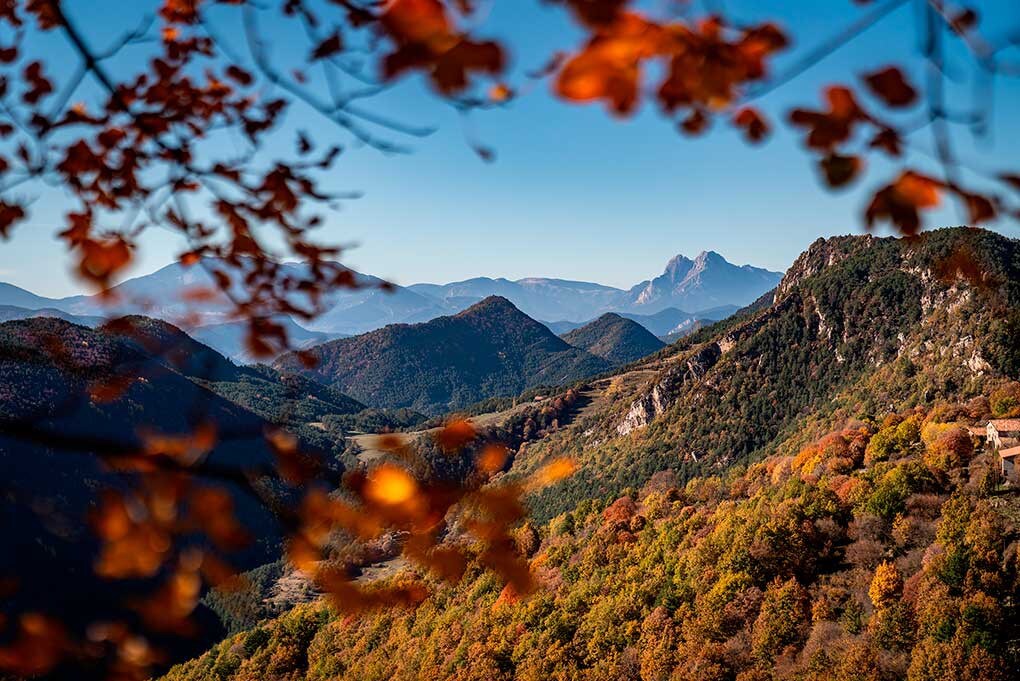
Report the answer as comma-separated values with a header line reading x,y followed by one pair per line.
x,y
574,192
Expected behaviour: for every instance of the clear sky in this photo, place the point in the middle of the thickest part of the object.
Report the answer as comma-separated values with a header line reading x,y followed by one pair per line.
x,y
574,192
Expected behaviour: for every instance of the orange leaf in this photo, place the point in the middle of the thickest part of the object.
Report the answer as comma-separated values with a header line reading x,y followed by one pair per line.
x,y
500,92
918,190
492,458
390,485
555,470
455,435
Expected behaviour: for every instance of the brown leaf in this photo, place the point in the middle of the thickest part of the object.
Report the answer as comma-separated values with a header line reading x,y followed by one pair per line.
x,y
754,125
891,86
39,645
964,20
888,140
44,13
901,201
10,214
840,170
980,208
1012,180
39,85
828,129
239,75
695,124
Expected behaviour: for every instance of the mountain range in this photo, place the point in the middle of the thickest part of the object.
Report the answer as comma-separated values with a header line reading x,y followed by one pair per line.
x,y
707,288
748,479
489,349
707,281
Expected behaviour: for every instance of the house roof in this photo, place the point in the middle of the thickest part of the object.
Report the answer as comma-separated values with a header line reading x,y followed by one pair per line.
x,y
1009,453
977,430
1006,425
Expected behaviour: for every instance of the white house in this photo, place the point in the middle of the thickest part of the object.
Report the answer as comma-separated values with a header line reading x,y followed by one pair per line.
x,y
1003,433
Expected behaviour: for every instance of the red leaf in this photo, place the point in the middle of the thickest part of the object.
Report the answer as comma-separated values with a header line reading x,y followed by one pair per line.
x,y
891,86
755,127
9,214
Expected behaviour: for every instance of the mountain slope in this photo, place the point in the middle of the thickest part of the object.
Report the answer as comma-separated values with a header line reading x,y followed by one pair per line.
x,y
11,312
490,349
614,339
281,398
61,404
859,326
19,297
790,494
825,566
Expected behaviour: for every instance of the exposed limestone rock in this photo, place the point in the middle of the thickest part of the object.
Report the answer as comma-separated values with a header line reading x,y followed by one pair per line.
x,y
664,391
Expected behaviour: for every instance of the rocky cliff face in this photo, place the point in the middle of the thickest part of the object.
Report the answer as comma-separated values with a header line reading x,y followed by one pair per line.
x,y
663,393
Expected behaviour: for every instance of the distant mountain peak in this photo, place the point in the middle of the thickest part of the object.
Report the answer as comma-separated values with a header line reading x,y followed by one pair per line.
x,y
710,257
678,267
490,305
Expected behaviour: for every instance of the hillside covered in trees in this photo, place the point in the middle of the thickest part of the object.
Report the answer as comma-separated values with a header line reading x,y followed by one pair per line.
x,y
877,552
614,338
491,349
792,493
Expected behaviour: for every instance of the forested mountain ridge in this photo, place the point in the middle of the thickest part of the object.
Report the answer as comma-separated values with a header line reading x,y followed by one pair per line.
x,y
491,349
614,338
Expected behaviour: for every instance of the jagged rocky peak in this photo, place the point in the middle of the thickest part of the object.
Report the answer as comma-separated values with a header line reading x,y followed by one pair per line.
x,y
678,267
822,253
